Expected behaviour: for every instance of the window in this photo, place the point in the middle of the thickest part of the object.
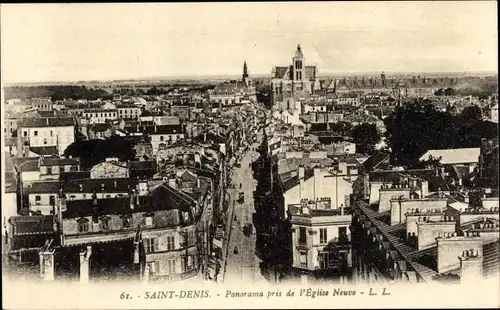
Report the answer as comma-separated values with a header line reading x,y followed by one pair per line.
x,y
35,133
303,259
189,263
191,240
44,140
51,133
324,260
171,266
154,267
323,235
52,200
105,224
161,138
170,243
49,170
38,199
149,220
302,235
343,232
83,225
25,133
150,245
126,222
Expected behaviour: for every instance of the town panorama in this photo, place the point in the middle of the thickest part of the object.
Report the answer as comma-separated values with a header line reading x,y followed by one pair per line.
x,y
295,177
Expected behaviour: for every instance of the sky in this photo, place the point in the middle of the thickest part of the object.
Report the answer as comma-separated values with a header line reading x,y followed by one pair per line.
x,y
74,42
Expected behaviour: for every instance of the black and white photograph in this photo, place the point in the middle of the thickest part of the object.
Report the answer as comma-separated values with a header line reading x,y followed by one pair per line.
x,y
243,155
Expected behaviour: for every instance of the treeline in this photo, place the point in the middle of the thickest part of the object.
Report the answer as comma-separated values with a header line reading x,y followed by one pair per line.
x,y
56,92
420,126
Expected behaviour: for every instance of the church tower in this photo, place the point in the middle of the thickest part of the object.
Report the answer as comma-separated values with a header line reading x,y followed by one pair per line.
x,y
298,65
245,78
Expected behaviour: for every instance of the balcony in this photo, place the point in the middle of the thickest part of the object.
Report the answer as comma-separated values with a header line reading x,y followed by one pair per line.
x,y
175,277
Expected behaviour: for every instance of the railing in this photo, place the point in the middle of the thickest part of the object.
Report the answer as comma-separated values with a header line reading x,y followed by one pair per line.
x,y
174,277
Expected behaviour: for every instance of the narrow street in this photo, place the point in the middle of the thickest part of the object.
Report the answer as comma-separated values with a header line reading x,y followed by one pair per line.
x,y
243,266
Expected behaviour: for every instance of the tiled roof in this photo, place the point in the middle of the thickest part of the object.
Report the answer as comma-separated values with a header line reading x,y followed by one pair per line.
x,y
52,161
32,225
491,259
44,187
99,185
100,127
454,156
375,160
157,130
44,150
162,198
404,250
48,122
26,163
279,72
294,181
142,165
66,176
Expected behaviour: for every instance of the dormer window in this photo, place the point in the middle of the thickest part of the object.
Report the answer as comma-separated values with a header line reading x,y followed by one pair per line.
x,y
83,225
149,219
126,221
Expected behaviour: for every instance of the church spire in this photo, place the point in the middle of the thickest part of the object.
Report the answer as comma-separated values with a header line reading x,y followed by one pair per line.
x,y
245,70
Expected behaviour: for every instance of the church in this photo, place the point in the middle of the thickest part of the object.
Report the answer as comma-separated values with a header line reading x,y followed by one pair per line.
x,y
234,92
296,80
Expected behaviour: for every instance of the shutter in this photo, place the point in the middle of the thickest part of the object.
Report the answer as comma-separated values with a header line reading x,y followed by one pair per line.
x,y
156,244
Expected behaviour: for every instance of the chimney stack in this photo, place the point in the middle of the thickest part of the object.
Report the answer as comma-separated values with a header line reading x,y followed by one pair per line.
x,y
471,266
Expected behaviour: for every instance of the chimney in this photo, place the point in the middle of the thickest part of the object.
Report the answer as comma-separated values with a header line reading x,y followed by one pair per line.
x,y
471,266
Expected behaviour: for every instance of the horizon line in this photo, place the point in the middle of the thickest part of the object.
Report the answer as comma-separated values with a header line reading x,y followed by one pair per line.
x,y
189,77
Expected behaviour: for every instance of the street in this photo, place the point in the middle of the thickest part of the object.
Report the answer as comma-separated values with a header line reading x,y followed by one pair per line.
x,y
243,266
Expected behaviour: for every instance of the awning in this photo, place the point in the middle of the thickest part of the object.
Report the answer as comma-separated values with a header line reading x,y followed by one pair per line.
x,y
217,243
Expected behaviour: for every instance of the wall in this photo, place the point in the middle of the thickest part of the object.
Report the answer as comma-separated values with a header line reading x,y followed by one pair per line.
x,y
386,194
9,208
411,205
375,191
323,184
30,176
449,249
108,170
472,216
156,140
44,203
61,137
412,219
313,245
429,231
489,203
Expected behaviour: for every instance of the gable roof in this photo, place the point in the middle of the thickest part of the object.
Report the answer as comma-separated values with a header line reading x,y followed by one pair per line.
x,y
294,181
454,156
375,160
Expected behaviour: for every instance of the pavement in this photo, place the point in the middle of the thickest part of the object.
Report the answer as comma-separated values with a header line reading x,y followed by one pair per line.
x,y
243,266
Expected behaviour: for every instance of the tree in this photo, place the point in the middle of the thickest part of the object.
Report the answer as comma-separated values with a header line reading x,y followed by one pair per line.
x,y
366,136
472,113
439,92
92,152
450,92
418,127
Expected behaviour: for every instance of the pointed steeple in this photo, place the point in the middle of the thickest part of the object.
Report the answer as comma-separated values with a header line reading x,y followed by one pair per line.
x,y
298,52
245,70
